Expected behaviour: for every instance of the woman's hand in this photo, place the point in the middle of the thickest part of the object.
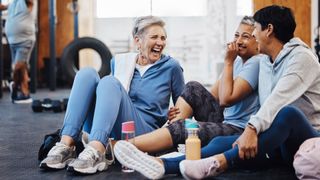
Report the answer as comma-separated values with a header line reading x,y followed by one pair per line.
x,y
232,52
172,113
247,144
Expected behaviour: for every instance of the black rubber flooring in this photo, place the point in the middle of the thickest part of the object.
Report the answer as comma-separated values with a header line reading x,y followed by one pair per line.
x,y
22,132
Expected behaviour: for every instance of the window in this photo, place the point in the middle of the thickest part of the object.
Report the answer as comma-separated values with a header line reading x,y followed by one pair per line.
x,y
244,7
134,8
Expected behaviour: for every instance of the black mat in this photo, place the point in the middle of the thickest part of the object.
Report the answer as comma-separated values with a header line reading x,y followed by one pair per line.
x,y
22,131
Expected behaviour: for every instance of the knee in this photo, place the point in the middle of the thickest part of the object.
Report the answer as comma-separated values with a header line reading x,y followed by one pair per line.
x,y
108,82
218,140
190,88
87,74
193,84
289,114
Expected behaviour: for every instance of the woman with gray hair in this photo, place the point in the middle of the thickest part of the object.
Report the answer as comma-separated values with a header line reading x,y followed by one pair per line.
x,y
139,90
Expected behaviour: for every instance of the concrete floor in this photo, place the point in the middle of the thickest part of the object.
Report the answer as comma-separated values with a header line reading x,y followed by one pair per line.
x,y
22,132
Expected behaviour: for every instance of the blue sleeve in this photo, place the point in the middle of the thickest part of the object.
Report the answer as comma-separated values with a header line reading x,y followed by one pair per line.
x,y
177,82
112,66
250,71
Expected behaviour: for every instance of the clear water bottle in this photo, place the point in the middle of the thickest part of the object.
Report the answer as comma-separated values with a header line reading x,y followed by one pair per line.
x,y
127,132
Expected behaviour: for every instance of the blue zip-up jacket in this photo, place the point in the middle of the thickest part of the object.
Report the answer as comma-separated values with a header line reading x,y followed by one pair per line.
x,y
151,93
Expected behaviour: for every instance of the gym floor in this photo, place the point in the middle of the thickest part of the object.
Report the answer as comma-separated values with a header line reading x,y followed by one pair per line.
x,y
22,132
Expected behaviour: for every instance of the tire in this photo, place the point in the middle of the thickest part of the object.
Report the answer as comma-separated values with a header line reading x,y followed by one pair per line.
x,y
71,51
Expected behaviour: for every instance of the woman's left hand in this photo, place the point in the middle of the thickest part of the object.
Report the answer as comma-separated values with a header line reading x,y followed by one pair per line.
x,y
247,144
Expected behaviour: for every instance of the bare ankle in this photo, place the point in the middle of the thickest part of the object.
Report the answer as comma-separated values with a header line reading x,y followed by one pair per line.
x,y
159,160
98,146
67,140
222,161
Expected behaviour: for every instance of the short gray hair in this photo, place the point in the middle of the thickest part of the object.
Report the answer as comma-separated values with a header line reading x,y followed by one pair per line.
x,y
141,23
248,20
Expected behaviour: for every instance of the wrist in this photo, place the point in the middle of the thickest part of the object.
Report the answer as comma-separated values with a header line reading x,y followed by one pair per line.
x,y
250,126
228,62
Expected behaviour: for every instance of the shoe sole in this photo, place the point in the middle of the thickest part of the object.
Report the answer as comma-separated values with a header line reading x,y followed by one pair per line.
x,y
26,101
55,166
91,170
129,156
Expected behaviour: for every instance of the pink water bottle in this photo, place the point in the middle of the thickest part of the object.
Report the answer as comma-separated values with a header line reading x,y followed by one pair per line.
x,y
127,132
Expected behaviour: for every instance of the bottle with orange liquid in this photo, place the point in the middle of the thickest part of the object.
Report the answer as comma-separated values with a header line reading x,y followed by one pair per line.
x,y
128,132
193,143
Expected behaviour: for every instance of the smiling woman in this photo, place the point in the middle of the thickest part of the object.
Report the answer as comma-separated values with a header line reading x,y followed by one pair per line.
x,y
139,89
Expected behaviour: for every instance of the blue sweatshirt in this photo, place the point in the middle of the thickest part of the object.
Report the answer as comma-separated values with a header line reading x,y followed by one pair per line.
x,y
151,93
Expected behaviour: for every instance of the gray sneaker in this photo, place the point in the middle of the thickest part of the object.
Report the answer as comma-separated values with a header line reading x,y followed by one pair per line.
x,y
89,161
58,157
109,153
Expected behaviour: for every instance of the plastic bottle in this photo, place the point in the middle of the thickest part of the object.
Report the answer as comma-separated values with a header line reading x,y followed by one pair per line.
x,y
127,132
193,143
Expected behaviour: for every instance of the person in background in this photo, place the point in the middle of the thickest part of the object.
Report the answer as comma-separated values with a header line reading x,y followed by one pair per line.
x,y
235,90
138,90
20,31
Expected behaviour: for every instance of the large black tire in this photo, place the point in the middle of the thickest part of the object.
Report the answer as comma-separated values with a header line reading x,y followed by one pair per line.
x,y
70,54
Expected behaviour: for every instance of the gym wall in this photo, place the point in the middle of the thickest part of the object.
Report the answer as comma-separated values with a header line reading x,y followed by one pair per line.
x,y
301,10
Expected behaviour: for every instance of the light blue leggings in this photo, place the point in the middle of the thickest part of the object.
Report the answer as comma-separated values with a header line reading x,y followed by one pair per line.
x,y
103,105
278,144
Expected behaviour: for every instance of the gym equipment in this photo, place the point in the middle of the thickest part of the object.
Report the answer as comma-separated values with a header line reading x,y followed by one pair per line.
x,y
65,103
48,104
70,53
52,52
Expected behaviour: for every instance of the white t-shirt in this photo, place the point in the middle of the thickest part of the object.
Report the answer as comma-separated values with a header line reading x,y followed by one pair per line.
x,y
143,69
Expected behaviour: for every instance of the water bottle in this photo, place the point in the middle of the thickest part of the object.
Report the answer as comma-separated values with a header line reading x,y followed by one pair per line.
x,y
127,132
193,143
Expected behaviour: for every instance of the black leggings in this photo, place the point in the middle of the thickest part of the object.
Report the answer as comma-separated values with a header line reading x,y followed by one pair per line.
x,y
207,111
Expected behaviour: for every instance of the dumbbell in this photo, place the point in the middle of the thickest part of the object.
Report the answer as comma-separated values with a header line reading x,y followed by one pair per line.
x,y
47,105
65,103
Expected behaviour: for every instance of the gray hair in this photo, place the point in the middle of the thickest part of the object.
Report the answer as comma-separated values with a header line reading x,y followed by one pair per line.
x,y
141,23
248,20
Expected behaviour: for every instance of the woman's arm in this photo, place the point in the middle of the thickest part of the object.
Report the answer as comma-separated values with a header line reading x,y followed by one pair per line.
x,y
299,76
177,83
233,90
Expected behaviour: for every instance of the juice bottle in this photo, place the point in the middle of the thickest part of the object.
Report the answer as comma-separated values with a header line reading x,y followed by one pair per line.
x,y
193,143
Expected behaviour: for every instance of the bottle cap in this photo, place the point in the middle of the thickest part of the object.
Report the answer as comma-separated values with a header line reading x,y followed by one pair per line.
x,y
191,124
128,126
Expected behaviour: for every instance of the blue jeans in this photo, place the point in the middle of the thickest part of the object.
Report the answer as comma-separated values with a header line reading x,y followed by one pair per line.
x,y
103,105
21,51
279,143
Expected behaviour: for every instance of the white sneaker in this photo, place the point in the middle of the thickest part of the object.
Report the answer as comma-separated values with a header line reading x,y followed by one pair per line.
x,y
58,157
89,161
199,169
129,156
